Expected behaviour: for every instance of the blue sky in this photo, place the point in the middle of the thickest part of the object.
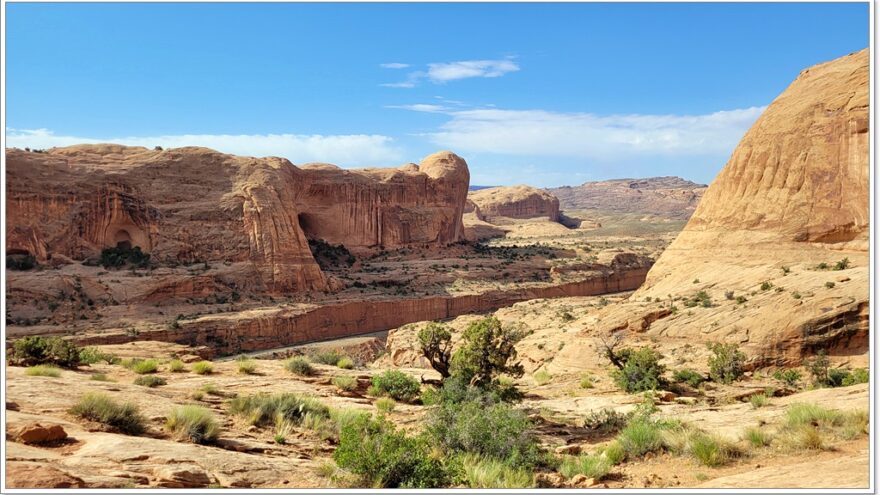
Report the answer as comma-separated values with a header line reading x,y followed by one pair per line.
x,y
545,94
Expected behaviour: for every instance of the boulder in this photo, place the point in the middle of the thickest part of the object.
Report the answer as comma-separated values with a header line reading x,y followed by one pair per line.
x,y
35,433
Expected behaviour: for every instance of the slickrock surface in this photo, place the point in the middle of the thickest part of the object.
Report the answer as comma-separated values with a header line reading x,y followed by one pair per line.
x,y
194,204
666,197
514,202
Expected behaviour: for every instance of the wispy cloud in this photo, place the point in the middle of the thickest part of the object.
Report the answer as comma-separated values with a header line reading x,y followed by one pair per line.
x,y
394,65
451,71
586,135
443,72
355,150
422,107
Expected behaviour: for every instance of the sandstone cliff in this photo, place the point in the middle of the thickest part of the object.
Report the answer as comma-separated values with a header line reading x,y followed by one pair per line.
x,y
790,205
668,197
514,202
190,205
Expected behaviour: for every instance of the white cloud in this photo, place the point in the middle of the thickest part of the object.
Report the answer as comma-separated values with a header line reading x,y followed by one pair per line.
x,y
421,107
586,135
443,72
404,84
394,65
451,71
356,150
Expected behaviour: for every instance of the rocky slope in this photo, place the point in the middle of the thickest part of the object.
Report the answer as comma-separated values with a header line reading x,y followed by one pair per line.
x,y
668,197
514,202
191,205
775,256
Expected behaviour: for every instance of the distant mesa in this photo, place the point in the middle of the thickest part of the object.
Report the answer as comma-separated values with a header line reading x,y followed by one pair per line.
x,y
666,197
519,202
193,204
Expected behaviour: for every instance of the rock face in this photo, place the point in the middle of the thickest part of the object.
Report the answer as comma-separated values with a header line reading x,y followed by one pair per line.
x,y
668,197
514,202
793,195
190,205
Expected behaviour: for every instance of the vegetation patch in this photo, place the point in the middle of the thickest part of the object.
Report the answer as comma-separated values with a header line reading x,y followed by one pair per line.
x,y
43,370
299,365
397,385
193,423
149,381
203,368
101,408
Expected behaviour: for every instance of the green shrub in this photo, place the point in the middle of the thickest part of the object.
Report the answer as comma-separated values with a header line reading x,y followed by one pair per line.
x,y
435,342
641,370
758,401
203,368
757,437
385,458
246,366
193,423
590,466
482,425
99,377
92,355
606,421
145,366
29,351
149,381
818,367
385,404
691,377
397,385
116,257
328,357
345,363
298,365
176,366
842,264
345,383
765,285
43,370
101,408
741,299
487,351
20,262
486,472
858,375
790,377
265,409
726,363
640,437
829,285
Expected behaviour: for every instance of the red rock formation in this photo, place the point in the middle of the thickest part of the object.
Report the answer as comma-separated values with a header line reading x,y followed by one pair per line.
x,y
195,204
514,202
668,197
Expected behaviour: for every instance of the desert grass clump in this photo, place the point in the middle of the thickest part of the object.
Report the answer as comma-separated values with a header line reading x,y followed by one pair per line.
x,y
328,357
101,408
193,423
203,368
99,377
802,437
587,380
299,365
758,401
246,366
757,437
345,383
345,363
149,381
614,452
265,409
542,377
43,370
712,450
640,437
385,404
802,413
486,472
144,366
176,366
591,466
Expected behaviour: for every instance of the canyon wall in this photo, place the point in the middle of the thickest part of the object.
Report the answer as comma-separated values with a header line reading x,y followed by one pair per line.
x,y
514,202
190,205
277,327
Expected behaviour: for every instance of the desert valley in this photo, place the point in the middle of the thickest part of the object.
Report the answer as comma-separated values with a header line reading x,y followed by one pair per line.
x,y
185,318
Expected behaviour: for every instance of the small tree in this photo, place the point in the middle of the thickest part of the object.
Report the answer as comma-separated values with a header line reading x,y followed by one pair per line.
x,y
487,351
818,367
726,363
436,345
640,371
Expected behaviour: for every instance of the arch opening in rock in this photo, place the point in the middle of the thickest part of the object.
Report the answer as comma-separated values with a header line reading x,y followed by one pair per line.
x,y
122,239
